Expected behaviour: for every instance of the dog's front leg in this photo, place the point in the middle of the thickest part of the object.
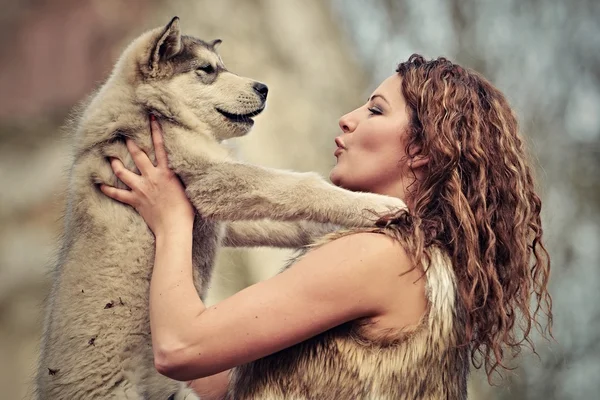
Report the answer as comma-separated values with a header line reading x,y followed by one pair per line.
x,y
235,191
288,234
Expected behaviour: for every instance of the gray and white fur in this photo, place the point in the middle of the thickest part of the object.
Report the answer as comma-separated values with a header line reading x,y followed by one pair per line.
x,y
96,341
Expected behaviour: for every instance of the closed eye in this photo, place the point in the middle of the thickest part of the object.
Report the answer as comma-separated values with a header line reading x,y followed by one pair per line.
x,y
206,68
375,111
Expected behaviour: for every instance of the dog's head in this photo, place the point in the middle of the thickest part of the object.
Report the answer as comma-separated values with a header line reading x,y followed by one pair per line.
x,y
185,74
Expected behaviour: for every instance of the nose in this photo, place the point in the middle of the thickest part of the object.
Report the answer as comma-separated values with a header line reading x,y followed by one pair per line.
x,y
347,124
261,89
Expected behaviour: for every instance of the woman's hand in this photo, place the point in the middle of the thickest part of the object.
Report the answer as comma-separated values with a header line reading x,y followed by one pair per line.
x,y
158,194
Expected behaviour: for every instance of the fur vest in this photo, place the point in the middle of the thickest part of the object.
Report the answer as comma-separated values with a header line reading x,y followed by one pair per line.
x,y
430,361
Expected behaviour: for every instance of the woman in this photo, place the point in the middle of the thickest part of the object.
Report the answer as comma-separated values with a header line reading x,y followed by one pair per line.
x,y
394,311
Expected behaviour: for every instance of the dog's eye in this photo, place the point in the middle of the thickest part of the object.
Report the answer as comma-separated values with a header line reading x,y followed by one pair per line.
x,y
206,68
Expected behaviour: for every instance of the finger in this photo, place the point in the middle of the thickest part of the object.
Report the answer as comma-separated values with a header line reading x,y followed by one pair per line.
x,y
159,145
140,158
129,178
122,195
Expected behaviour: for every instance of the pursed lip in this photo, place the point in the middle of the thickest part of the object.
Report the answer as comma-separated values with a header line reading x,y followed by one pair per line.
x,y
340,146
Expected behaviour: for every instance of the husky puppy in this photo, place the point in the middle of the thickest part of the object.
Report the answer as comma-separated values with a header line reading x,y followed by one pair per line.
x,y
96,342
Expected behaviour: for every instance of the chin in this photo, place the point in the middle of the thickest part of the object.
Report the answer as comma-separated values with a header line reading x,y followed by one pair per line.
x,y
339,181
229,130
335,178
344,181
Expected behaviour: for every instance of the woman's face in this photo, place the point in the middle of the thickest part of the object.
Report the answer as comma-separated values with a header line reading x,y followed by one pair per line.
x,y
371,149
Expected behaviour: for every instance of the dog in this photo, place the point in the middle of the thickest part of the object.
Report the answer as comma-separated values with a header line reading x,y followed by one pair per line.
x,y
96,342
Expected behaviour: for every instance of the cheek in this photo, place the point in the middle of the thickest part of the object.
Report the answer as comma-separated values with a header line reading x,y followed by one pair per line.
x,y
356,170
377,153
367,147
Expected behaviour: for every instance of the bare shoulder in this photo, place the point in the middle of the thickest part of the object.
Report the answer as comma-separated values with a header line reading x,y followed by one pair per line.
x,y
377,269
374,262
378,250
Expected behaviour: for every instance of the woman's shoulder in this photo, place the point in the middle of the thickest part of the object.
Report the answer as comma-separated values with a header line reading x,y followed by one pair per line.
x,y
389,273
379,253
373,242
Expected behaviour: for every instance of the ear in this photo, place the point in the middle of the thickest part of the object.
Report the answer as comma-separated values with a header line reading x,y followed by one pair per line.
x,y
215,43
418,161
168,44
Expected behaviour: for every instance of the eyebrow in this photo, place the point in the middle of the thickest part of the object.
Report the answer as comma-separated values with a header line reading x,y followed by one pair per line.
x,y
380,96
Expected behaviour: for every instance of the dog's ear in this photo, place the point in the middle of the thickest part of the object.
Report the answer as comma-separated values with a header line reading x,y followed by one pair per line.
x,y
215,43
168,44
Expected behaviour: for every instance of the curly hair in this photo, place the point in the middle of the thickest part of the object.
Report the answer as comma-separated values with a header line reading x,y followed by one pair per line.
x,y
478,203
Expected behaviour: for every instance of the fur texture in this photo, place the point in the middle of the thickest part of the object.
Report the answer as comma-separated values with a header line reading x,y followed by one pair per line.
x,y
96,342
429,362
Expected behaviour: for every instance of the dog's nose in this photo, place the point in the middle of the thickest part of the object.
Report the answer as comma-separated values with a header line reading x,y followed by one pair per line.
x,y
261,89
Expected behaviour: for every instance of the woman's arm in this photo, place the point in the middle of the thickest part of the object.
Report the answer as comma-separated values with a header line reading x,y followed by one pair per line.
x,y
352,277
341,281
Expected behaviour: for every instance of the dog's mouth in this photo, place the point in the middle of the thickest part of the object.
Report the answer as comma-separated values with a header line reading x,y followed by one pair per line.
x,y
241,118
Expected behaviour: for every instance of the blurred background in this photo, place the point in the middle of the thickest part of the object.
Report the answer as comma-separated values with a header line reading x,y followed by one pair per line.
x,y
320,59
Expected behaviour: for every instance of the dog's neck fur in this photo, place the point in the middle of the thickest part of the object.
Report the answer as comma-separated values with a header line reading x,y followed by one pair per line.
x,y
182,129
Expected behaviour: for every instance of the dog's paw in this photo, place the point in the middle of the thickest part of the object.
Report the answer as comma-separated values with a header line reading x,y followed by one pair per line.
x,y
375,205
392,204
384,204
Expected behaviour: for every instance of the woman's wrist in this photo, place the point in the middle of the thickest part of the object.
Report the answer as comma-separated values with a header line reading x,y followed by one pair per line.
x,y
174,231
173,252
